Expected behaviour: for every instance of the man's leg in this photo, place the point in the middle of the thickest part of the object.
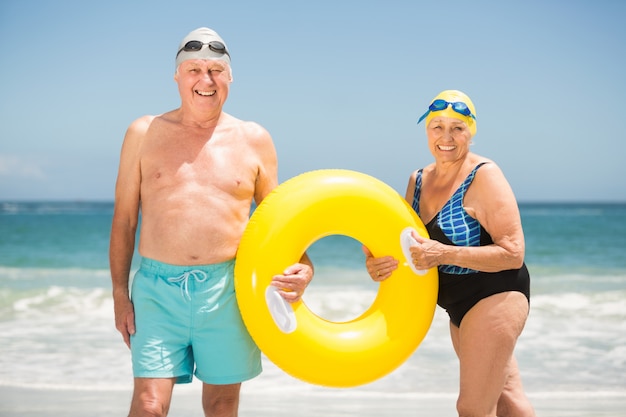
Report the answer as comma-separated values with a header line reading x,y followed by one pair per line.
x,y
151,397
220,400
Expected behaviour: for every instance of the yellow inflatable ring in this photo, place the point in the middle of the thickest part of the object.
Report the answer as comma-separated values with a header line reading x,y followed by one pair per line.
x,y
295,215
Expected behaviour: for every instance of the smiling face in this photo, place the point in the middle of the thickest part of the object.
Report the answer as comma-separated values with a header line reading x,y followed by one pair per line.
x,y
203,83
448,138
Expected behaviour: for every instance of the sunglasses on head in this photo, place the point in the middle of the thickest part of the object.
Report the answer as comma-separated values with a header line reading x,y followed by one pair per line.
x,y
195,46
439,105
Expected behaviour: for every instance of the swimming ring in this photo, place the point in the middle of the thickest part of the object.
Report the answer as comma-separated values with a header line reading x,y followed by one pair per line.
x,y
295,215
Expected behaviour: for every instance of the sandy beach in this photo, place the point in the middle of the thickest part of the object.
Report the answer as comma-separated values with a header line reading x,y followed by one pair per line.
x,y
27,402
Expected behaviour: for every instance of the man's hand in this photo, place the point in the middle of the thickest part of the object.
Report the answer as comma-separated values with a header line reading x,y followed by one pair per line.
x,y
125,318
293,282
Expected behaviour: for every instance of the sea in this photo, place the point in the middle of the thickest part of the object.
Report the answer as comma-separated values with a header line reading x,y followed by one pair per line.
x,y
57,325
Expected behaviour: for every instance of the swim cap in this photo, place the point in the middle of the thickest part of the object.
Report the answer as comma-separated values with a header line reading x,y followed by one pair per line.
x,y
453,96
206,50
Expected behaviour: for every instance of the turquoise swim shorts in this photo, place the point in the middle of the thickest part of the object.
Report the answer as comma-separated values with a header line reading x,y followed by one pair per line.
x,y
187,316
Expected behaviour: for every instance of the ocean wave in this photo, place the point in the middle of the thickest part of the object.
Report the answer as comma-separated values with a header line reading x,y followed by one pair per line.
x,y
54,303
590,305
72,291
65,335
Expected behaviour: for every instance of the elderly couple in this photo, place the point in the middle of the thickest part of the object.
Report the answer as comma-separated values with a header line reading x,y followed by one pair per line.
x,y
193,172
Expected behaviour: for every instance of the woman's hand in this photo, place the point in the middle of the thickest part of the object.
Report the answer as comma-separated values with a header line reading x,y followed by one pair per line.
x,y
426,253
379,268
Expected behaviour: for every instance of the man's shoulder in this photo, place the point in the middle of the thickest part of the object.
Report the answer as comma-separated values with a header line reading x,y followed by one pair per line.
x,y
142,123
229,119
253,128
250,129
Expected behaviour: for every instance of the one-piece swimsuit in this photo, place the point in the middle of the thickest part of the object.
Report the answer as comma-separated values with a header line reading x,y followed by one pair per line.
x,y
461,288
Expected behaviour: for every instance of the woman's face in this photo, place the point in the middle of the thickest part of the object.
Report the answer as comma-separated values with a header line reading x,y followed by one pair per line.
x,y
448,138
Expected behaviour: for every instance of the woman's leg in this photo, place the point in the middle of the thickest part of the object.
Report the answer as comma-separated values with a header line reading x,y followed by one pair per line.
x,y
484,344
513,401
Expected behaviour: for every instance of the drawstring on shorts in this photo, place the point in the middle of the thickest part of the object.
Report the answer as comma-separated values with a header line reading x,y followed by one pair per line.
x,y
199,276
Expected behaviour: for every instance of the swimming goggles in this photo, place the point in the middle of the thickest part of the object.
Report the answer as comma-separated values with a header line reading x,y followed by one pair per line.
x,y
194,46
440,104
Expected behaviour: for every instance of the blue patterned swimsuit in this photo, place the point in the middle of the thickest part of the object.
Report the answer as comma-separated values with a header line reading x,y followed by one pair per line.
x,y
461,288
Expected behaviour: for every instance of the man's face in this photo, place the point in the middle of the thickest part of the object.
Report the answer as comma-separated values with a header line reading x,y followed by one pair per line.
x,y
203,82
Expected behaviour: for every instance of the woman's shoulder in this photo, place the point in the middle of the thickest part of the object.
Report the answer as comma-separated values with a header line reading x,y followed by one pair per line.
x,y
482,165
427,169
488,174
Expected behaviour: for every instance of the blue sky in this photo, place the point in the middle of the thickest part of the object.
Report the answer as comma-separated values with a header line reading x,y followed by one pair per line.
x,y
339,84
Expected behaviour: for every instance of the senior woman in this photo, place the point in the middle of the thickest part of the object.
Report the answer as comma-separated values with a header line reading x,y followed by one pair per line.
x,y
477,244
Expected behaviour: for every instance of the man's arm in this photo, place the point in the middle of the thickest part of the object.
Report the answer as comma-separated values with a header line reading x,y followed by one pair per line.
x,y
124,226
295,278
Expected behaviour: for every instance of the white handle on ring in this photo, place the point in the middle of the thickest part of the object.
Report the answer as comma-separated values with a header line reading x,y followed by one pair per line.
x,y
406,241
281,310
